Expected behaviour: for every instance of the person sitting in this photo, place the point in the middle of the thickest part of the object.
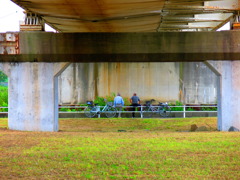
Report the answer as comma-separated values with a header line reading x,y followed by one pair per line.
x,y
118,104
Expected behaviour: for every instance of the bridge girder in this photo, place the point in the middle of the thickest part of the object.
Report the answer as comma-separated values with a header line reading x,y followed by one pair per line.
x,y
124,47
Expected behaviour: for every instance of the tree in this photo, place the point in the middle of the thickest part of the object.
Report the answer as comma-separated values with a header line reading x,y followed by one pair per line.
x,y
3,77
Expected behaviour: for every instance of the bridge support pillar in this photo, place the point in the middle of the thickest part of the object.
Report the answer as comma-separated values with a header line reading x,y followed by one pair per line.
x,y
33,95
228,73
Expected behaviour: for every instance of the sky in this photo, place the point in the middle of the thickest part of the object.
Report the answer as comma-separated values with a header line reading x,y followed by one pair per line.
x,y
10,15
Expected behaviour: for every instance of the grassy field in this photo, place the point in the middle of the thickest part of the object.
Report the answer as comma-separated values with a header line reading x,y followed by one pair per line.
x,y
121,149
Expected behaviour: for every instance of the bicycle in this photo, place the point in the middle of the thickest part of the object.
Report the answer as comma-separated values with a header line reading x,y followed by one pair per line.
x,y
92,109
149,109
164,109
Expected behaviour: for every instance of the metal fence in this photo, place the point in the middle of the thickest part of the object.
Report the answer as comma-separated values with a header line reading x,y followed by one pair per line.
x,y
184,111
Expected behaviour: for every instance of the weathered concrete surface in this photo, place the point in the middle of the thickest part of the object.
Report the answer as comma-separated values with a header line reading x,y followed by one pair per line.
x,y
126,47
33,95
228,73
189,82
199,84
85,81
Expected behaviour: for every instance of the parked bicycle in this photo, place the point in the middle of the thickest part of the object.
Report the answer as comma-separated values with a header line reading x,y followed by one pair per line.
x,y
92,109
148,110
162,109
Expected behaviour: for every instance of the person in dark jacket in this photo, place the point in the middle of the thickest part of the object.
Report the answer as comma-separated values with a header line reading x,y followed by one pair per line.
x,y
135,102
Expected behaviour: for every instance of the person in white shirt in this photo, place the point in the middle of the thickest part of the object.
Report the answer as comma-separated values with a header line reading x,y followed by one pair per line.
x,y
118,103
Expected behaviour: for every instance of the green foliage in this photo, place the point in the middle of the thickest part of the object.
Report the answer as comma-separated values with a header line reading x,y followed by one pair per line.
x,y
111,97
3,98
100,101
3,77
190,109
66,109
126,101
178,103
209,108
63,109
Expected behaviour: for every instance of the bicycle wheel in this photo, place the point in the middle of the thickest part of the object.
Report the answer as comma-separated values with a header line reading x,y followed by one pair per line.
x,y
164,111
147,112
90,111
110,112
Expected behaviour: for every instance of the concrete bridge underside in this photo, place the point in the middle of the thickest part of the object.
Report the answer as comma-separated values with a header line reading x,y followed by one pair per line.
x,y
41,57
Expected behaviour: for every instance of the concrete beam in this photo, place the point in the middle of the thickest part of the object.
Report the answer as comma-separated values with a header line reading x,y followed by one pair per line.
x,y
126,47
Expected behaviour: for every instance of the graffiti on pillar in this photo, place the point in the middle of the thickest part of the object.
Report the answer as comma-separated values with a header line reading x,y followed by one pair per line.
x,y
9,43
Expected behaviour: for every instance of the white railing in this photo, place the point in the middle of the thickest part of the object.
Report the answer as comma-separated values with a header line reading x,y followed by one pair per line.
x,y
184,111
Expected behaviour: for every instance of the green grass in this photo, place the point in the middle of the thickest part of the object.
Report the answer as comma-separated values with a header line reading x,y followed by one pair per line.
x,y
94,149
128,124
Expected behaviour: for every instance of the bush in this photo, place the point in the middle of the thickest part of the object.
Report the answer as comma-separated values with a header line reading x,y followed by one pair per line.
x,y
100,101
178,103
209,108
111,97
190,109
63,109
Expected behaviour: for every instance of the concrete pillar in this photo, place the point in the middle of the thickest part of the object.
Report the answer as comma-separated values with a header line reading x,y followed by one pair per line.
x,y
33,95
228,73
